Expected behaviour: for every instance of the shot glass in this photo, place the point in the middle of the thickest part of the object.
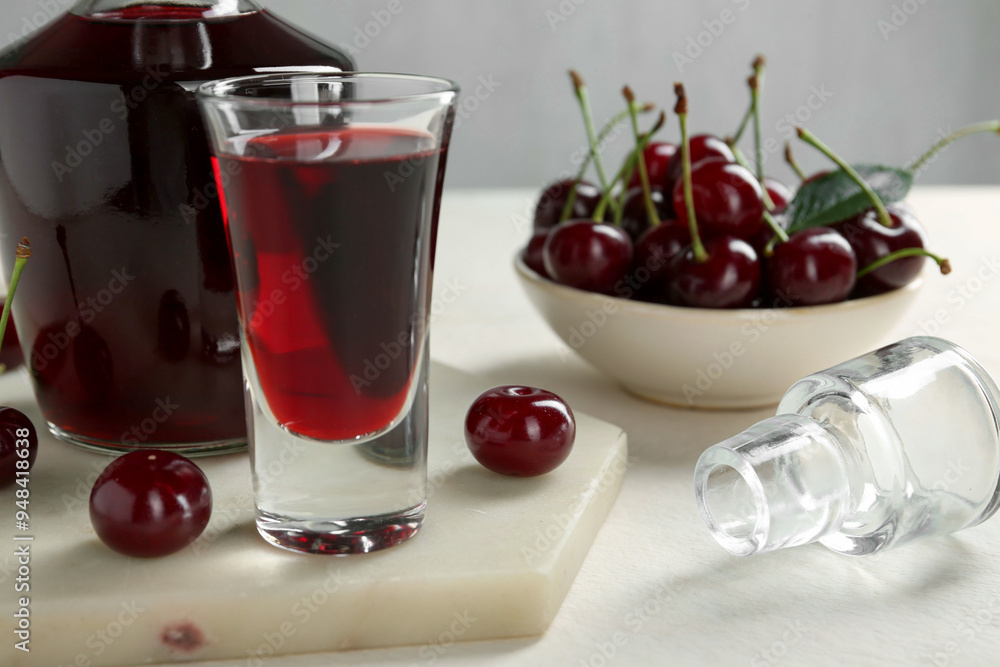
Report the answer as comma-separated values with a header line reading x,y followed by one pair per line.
x,y
330,186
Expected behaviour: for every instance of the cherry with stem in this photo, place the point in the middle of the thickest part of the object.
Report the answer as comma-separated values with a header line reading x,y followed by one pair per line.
x,y
681,109
887,221
943,264
741,160
725,272
654,217
608,128
626,170
883,214
580,89
756,83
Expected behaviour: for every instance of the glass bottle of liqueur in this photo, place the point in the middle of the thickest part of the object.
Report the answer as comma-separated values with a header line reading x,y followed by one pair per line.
x,y
128,317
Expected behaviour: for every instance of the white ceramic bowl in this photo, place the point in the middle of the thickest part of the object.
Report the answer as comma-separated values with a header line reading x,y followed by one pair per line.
x,y
727,359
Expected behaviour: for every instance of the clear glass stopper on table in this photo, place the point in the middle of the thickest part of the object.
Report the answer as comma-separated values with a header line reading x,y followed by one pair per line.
x,y
899,444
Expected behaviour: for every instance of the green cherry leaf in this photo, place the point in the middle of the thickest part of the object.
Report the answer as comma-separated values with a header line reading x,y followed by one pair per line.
x,y
835,197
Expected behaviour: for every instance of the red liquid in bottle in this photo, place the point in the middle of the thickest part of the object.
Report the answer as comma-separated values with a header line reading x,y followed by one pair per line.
x,y
126,310
334,264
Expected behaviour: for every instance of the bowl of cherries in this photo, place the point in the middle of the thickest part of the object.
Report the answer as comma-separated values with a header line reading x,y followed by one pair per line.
x,y
693,279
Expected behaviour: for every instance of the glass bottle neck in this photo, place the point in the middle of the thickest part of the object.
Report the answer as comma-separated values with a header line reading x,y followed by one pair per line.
x,y
164,10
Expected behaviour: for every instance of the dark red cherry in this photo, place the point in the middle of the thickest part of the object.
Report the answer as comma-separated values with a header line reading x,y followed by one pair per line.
x,y
520,431
781,195
729,278
18,446
150,503
657,157
10,353
728,200
533,256
635,217
553,201
587,255
872,241
703,147
813,267
654,252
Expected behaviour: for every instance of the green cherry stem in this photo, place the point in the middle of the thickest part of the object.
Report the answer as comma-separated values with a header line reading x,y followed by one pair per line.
x,y
606,131
779,232
602,206
580,88
808,137
626,171
756,84
654,217
992,126
942,263
790,159
741,160
758,67
769,248
21,256
735,139
681,110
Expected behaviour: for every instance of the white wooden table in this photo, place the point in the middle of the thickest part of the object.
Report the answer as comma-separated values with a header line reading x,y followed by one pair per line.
x,y
656,589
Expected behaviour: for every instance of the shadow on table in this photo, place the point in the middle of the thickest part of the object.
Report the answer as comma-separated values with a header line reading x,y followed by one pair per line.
x,y
813,585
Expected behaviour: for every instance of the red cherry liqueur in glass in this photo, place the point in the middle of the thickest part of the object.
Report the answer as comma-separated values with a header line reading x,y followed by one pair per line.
x,y
128,317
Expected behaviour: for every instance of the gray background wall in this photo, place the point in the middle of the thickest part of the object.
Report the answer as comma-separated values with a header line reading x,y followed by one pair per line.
x,y
895,73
